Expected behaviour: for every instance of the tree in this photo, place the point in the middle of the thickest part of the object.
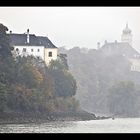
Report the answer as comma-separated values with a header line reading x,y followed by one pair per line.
x,y
63,59
27,72
3,97
6,59
65,84
95,72
5,48
56,64
122,99
27,85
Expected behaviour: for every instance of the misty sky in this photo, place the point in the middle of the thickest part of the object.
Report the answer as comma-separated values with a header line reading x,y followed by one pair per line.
x,y
74,26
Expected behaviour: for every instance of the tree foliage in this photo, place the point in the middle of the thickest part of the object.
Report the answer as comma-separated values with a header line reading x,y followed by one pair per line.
x,y
27,85
95,73
5,48
122,99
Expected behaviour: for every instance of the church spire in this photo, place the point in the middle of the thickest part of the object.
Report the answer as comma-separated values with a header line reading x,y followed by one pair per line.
x,y
126,30
126,35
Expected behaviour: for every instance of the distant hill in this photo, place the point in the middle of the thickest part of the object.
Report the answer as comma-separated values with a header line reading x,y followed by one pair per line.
x,y
96,73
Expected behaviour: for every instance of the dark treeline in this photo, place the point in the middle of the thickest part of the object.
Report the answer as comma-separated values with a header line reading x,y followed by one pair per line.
x,y
27,85
105,83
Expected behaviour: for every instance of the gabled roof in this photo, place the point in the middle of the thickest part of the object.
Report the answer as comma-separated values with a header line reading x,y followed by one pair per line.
x,y
21,40
46,42
120,48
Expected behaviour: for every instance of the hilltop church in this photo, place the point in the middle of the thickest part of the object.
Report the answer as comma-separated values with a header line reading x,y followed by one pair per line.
x,y
123,48
30,44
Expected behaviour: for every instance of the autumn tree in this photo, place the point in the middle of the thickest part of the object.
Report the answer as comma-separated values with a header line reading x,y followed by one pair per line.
x,y
28,86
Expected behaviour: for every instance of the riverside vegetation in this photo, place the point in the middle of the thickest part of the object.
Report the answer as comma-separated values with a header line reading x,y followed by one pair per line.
x,y
30,89
105,84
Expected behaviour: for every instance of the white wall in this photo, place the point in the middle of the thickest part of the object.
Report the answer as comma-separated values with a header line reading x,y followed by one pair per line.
x,y
43,53
29,52
127,38
54,54
135,64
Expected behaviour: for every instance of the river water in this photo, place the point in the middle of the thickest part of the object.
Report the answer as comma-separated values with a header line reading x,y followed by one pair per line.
x,y
127,125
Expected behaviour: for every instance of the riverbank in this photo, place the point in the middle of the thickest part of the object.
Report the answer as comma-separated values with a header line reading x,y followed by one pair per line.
x,y
8,118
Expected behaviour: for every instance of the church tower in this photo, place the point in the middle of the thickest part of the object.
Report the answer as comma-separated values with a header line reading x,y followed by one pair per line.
x,y
126,35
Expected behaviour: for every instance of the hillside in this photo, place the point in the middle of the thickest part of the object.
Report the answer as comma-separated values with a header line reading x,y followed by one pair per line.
x,y
96,74
30,90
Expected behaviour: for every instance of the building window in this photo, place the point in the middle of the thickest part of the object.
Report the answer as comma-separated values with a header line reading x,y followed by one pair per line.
x,y
32,50
17,49
50,54
38,50
24,49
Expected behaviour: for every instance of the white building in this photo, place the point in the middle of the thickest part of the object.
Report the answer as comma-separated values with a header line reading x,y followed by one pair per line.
x,y
30,44
123,48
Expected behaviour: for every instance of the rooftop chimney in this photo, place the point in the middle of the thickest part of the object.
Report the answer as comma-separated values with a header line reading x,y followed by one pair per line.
x,y
105,41
98,45
28,36
10,32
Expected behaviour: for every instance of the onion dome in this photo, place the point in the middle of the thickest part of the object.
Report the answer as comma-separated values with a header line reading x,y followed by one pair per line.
x,y
126,30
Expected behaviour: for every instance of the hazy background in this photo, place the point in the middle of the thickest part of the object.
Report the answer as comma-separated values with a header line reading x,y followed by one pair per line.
x,y
74,26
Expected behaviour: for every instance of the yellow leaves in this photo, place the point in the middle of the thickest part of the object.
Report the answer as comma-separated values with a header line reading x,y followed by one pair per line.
x,y
21,89
36,74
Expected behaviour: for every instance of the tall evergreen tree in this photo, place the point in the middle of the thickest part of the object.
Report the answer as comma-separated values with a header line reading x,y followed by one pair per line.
x,y
5,49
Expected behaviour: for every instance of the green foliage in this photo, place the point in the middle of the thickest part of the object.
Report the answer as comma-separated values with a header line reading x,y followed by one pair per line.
x,y
65,84
61,77
64,81
56,65
66,104
63,60
3,94
5,48
27,85
95,73
122,99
